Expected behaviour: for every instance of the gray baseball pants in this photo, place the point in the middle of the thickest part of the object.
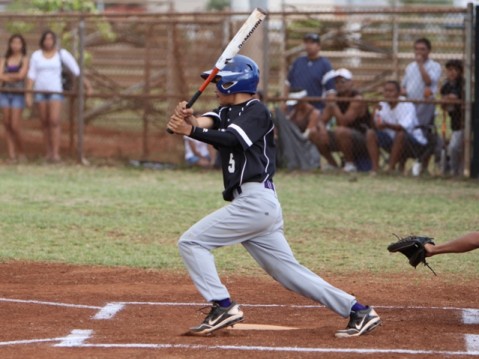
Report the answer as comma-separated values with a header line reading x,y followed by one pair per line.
x,y
254,219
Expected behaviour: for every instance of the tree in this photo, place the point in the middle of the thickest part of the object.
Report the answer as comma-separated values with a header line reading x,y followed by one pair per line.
x,y
218,5
58,25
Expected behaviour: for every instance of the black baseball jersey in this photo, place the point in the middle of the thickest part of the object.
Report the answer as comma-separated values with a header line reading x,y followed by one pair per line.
x,y
254,159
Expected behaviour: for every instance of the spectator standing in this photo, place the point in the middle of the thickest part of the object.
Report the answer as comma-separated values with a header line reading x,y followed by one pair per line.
x,y
421,79
420,82
14,70
197,153
352,121
452,89
307,72
396,129
45,75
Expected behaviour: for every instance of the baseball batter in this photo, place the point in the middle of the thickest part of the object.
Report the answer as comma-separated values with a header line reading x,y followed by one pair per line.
x,y
242,131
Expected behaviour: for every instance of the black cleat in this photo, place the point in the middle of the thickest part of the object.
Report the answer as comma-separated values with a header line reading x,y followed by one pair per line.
x,y
218,318
360,322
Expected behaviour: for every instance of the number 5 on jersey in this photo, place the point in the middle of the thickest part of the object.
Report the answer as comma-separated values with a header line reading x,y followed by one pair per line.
x,y
231,164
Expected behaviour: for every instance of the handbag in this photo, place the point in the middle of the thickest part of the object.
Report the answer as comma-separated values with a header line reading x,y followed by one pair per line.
x,y
66,75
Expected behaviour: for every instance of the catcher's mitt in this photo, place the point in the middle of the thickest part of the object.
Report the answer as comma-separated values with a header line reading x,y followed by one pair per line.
x,y
413,248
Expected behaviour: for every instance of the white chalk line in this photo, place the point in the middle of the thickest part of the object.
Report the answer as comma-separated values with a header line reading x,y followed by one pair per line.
x,y
312,306
470,316
276,349
178,304
56,304
472,342
76,338
29,341
108,311
111,309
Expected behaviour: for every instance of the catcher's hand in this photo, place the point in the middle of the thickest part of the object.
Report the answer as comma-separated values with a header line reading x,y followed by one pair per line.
x,y
413,248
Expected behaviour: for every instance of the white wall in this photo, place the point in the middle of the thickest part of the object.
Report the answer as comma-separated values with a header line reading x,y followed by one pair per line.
x,y
190,5
276,5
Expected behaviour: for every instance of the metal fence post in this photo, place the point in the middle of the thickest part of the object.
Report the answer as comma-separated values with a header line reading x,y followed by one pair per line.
x,y
81,94
146,90
395,46
475,120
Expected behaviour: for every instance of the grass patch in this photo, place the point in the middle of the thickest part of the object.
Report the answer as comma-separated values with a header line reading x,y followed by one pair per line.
x,y
124,216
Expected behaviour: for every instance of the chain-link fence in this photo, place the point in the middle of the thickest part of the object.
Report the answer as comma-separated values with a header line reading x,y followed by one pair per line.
x,y
413,52
141,65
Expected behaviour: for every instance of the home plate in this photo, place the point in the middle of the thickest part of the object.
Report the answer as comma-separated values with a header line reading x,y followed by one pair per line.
x,y
241,326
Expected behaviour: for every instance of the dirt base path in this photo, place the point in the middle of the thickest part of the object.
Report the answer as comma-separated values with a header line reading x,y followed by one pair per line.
x,y
61,311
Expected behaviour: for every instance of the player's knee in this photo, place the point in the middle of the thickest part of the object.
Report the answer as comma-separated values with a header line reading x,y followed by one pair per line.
x,y
184,243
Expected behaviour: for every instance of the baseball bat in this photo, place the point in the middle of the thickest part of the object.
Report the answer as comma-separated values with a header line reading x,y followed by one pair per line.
x,y
234,46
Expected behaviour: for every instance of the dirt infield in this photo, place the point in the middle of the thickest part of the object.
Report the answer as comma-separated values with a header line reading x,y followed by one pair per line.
x,y
61,311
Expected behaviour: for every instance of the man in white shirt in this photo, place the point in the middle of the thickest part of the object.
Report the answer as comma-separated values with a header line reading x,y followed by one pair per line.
x,y
421,79
420,82
395,129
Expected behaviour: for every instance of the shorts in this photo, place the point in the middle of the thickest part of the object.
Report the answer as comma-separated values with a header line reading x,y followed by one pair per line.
x,y
360,149
42,97
195,159
414,148
358,138
384,140
332,143
12,100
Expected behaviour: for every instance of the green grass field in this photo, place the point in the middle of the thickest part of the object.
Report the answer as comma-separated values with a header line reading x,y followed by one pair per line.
x,y
130,217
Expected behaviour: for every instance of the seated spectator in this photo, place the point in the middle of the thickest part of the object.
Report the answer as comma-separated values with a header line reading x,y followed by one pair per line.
x,y
300,112
396,129
452,89
198,153
294,129
352,121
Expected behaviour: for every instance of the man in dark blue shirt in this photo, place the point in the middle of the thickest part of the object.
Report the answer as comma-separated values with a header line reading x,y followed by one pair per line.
x,y
242,131
307,72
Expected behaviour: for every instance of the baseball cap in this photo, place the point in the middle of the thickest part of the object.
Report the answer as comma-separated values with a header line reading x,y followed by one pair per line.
x,y
345,73
295,95
311,37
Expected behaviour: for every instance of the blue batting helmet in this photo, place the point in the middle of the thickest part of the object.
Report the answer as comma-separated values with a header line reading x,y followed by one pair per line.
x,y
241,74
